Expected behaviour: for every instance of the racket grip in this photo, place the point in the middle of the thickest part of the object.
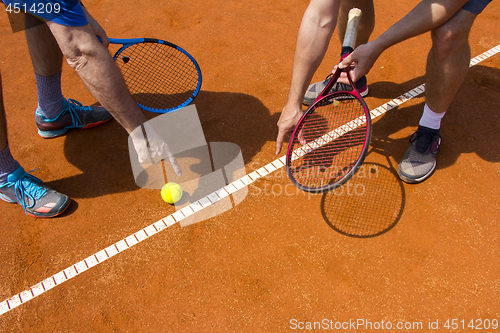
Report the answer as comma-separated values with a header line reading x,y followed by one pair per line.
x,y
351,30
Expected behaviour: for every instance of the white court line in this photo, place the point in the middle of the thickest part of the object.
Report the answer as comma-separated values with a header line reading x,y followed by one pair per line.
x,y
143,234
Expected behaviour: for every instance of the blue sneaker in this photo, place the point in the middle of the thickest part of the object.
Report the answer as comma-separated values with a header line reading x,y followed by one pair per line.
x,y
36,199
73,115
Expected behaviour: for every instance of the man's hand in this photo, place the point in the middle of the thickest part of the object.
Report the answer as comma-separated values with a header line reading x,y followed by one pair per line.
x,y
97,29
289,118
361,59
151,149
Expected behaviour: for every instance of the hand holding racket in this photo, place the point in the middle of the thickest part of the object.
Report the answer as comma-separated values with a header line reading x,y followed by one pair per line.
x,y
161,76
361,60
331,139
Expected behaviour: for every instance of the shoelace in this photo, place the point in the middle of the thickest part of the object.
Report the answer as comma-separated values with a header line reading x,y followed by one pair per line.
x,y
340,85
24,187
73,106
328,78
426,139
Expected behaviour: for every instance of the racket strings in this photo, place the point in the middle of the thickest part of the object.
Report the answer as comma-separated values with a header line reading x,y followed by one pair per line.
x,y
329,143
157,75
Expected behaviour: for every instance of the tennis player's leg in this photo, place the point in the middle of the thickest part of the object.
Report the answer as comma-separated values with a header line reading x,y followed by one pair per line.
x,y
447,66
18,186
366,26
76,41
85,54
3,120
98,71
55,115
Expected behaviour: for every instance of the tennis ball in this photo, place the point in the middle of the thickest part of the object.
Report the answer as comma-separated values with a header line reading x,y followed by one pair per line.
x,y
171,193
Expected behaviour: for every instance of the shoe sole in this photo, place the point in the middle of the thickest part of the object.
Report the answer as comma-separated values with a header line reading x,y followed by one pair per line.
x,y
308,101
6,198
414,180
61,132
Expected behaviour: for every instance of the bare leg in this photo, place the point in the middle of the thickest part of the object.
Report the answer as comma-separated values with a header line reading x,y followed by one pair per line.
x,y
448,61
447,66
45,53
7,163
366,24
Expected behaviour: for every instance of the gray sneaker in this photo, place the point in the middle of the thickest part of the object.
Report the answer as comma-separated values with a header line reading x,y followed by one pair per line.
x,y
73,115
37,199
316,88
419,161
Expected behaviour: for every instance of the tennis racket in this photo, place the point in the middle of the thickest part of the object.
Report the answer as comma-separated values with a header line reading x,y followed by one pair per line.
x,y
161,76
332,138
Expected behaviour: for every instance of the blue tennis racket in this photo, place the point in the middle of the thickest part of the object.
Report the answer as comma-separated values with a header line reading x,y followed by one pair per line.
x,y
161,76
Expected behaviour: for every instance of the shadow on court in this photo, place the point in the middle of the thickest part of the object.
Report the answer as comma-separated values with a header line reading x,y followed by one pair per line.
x,y
102,155
371,204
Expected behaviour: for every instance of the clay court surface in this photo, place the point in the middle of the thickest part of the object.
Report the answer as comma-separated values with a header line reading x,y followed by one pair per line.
x,y
277,258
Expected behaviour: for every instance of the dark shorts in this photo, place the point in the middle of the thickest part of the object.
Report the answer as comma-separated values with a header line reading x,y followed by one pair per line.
x,y
476,6
64,12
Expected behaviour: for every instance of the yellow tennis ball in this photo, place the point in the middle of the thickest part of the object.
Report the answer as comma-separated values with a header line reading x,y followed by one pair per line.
x,y
171,193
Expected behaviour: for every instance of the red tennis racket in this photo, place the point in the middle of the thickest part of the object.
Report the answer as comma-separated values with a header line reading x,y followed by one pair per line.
x,y
332,138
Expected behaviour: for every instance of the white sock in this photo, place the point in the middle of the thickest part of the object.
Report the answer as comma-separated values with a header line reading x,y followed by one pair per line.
x,y
430,118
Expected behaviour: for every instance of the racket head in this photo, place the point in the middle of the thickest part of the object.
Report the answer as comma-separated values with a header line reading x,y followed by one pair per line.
x,y
330,141
161,76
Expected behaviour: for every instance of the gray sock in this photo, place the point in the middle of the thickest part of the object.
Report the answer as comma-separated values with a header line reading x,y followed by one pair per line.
x,y
7,164
50,98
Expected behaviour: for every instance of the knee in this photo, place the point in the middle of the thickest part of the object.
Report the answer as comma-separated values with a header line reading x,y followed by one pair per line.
x,y
449,38
78,55
77,62
322,14
78,45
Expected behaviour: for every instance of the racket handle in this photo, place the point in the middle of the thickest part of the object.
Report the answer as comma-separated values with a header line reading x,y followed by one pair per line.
x,y
351,30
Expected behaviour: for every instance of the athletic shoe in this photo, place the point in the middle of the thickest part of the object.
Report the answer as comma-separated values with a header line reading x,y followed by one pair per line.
x,y
36,199
73,115
316,88
419,161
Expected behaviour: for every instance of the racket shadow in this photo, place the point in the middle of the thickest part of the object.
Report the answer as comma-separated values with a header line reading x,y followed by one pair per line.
x,y
368,205
166,101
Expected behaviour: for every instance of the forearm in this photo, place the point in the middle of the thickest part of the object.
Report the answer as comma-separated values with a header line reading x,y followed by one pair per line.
x,y
312,43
